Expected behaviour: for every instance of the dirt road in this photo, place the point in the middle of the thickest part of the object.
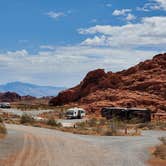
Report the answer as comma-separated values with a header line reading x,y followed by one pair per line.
x,y
30,146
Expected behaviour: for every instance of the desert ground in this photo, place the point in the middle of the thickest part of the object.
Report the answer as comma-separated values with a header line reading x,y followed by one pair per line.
x,y
25,146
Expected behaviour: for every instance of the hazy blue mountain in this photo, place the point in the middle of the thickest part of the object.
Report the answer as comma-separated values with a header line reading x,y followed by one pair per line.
x,y
24,89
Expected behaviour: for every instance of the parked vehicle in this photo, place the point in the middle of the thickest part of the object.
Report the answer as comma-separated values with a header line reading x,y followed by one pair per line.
x,y
141,115
5,105
75,113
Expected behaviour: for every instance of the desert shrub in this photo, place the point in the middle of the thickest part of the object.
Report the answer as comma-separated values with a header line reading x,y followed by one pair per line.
x,y
134,121
148,126
152,125
61,115
81,124
25,119
163,140
92,122
116,124
160,151
52,122
109,132
3,129
103,122
1,120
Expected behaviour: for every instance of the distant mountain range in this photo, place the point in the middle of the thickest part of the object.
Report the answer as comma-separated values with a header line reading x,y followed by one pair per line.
x,y
24,89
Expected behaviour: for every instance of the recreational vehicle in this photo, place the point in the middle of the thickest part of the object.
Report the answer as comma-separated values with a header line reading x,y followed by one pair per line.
x,y
5,105
142,115
75,113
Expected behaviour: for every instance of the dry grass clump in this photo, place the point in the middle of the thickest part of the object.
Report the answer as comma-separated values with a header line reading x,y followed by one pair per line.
x,y
1,120
53,122
154,125
3,130
103,127
160,151
27,119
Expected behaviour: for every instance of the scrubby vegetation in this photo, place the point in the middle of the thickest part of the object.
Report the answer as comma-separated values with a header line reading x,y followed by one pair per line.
x,y
1,120
53,122
26,119
160,150
103,127
154,125
3,130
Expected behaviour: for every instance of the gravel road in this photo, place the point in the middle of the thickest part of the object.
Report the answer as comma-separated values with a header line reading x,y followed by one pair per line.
x,y
20,112
30,146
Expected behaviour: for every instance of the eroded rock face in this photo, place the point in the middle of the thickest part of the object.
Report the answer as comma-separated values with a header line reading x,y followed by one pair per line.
x,y
28,98
89,84
9,97
143,85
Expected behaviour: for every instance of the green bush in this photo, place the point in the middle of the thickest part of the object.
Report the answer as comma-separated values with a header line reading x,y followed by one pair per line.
x,y
52,122
25,119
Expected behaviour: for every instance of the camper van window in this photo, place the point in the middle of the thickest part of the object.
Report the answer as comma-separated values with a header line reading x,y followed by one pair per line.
x,y
70,112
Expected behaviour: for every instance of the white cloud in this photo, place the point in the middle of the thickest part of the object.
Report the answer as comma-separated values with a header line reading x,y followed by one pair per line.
x,y
49,47
153,5
55,15
130,17
121,12
65,66
126,13
95,41
161,3
150,31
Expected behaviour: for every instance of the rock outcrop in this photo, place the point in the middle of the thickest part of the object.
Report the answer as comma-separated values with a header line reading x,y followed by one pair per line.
x,y
9,97
143,85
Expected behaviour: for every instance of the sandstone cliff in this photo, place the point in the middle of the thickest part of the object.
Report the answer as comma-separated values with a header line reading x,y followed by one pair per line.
x,y
143,85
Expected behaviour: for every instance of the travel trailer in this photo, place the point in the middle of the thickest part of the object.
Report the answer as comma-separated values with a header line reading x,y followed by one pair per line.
x,y
5,105
75,113
139,114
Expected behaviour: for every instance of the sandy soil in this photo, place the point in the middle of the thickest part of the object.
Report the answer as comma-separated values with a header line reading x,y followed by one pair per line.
x,y
30,146
157,162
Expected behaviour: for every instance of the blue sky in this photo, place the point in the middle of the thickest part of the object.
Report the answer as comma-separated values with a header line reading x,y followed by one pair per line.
x,y
56,42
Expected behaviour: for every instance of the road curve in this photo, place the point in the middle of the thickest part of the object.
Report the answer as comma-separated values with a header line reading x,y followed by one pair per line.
x,y
30,146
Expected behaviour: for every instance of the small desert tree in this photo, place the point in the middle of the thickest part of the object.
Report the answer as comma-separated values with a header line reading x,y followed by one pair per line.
x,y
25,119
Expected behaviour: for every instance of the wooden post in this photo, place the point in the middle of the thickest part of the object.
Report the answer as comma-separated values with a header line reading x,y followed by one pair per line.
x,y
125,128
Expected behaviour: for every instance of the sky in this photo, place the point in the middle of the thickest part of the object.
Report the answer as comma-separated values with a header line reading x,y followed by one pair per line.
x,y
56,42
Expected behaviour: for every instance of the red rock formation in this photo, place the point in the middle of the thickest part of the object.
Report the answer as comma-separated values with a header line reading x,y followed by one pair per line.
x,y
28,98
9,97
143,85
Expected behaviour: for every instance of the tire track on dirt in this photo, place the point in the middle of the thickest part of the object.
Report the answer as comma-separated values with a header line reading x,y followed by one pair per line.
x,y
44,147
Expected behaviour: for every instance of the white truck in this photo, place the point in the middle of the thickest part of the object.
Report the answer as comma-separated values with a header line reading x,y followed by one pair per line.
x,y
75,113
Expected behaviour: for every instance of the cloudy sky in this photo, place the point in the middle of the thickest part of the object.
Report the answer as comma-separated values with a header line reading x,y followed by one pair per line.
x,y
56,42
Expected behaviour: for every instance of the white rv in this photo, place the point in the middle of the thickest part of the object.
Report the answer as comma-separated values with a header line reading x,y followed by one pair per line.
x,y
75,113
5,105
